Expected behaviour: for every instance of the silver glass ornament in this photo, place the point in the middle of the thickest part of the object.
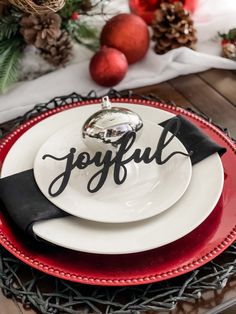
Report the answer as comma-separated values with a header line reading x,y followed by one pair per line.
x,y
105,128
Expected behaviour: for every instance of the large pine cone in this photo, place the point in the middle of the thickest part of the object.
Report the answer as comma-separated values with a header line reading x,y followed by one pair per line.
x,y
40,30
173,28
60,52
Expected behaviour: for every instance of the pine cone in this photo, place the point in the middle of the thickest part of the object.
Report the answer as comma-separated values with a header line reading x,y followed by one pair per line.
x,y
40,30
59,52
173,28
228,44
229,51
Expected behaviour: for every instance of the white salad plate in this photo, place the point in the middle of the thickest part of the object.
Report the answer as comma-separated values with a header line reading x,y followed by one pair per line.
x,y
71,232
145,192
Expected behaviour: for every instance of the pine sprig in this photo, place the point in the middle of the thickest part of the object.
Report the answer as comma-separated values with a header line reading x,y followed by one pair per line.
x,y
83,34
85,31
231,35
10,55
70,7
9,26
79,27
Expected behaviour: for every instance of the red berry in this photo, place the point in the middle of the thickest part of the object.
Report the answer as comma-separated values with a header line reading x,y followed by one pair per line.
x,y
74,16
224,42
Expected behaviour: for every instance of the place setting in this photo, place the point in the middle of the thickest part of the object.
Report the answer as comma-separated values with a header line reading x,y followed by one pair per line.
x,y
107,191
117,156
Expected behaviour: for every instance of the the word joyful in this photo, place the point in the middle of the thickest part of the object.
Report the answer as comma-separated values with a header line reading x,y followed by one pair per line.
x,y
105,161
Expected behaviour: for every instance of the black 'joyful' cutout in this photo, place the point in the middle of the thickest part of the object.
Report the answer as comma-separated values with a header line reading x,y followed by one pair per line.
x,y
120,171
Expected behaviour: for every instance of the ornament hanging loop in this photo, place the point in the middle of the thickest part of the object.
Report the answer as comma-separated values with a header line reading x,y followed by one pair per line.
x,y
106,104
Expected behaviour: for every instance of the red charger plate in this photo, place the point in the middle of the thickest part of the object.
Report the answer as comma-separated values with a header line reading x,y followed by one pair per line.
x,y
200,246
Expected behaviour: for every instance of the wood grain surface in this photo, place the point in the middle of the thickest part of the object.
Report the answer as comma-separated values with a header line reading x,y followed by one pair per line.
x,y
212,93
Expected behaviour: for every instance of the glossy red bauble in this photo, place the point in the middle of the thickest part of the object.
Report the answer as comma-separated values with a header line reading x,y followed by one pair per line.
x,y
108,66
146,8
127,33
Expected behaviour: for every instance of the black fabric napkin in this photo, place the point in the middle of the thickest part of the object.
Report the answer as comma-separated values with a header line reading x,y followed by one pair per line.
x,y
196,141
24,201
26,204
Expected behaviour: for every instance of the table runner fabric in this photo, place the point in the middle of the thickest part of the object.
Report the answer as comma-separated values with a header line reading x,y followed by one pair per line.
x,y
26,205
210,17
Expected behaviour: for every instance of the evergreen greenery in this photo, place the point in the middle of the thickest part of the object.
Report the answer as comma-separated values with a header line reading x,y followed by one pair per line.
x,y
231,35
70,7
12,42
9,25
10,51
79,30
83,34
11,45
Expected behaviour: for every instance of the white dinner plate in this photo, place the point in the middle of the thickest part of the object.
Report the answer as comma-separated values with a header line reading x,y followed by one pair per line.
x,y
79,234
145,192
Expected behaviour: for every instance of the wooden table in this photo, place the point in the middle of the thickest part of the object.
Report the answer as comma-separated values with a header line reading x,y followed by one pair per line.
x,y
212,93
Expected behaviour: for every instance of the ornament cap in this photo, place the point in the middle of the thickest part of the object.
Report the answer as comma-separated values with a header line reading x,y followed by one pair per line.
x,y
106,104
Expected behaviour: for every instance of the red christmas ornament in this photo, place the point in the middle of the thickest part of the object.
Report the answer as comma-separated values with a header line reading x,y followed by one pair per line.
x,y
108,66
146,8
127,33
